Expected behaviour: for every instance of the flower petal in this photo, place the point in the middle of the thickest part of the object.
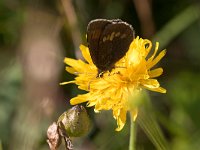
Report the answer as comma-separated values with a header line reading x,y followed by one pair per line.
x,y
159,89
86,54
152,63
147,49
121,119
71,70
154,53
155,73
79,99
63,83
150,83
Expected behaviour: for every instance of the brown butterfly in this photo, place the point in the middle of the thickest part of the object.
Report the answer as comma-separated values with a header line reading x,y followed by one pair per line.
x,y
108,41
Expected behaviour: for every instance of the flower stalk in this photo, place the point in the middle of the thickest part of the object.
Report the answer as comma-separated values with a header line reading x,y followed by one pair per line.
x,y
132,134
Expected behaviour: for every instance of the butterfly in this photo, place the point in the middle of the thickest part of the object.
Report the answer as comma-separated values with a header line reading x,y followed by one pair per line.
x,y
108,41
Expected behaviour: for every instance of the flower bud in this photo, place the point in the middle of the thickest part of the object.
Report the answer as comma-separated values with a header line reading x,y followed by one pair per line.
x,y
75,121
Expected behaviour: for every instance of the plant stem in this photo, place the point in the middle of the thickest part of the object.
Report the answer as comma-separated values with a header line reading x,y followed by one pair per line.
x,y
132,135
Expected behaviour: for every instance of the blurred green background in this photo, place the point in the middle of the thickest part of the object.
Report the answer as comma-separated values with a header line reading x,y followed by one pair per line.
x,y
35,36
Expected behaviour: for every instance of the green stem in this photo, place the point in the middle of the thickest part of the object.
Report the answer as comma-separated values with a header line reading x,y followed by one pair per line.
x,y
132,135
1,148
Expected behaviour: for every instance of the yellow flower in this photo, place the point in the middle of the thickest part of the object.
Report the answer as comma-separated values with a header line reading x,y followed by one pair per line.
x,y
112,91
